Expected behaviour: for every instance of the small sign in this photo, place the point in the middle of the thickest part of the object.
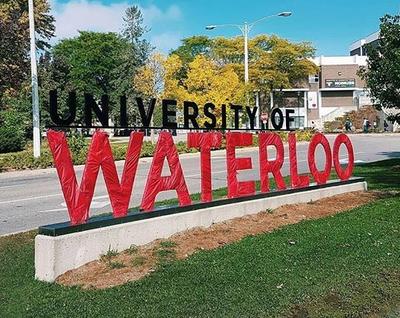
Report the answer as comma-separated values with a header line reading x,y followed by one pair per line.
x,y
340,83
264,117
312,100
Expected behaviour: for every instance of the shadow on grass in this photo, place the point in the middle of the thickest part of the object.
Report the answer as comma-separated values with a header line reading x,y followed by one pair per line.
x,y
381,174
390,154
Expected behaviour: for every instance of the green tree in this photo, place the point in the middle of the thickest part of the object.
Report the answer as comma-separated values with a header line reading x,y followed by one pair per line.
x,y
91,57
14,42
193,46
83,64
133,57
96,63
382,74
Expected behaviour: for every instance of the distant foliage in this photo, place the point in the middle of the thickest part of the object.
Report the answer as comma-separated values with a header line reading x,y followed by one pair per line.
x,y
382,74
203,68
11,140
13,130
79,148
14,42
97,63
355,117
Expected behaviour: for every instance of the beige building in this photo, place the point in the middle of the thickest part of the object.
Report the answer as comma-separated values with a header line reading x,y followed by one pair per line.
x,y
336,90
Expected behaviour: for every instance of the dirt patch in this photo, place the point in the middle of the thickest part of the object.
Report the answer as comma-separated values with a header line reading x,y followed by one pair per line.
x,y
116,269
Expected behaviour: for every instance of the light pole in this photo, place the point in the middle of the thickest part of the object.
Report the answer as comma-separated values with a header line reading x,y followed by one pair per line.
x,y
245,29
35,90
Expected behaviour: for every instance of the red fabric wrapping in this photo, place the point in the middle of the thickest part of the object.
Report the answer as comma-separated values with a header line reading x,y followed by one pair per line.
x,y
238,188
156,183
205,142
344,174
321,177
296,180
120,193
271,166
78,198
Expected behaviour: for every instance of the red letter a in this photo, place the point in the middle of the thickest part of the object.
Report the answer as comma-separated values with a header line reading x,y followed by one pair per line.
x,y
156,183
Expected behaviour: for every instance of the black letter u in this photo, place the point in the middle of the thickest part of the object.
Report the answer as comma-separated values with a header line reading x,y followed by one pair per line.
x,y
71,103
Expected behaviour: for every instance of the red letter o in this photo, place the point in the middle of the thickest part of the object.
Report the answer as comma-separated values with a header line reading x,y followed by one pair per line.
x,y
320,176
344,174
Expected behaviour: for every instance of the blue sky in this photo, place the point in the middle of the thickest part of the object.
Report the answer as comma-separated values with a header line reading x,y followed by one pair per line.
x,y
330,25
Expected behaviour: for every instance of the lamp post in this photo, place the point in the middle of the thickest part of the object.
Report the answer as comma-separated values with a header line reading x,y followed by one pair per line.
x,y
245,29
35,90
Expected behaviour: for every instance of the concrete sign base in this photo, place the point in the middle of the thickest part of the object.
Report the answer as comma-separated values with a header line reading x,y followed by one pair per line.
x,y
55,255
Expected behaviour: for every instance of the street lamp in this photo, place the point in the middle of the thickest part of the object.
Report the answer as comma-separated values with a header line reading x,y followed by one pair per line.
x,y
35,90
245,29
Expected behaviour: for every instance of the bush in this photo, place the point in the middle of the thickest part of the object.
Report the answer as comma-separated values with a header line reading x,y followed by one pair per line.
x,y
11,139
79,148
12,133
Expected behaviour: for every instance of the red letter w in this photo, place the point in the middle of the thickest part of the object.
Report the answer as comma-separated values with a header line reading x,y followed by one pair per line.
x,y
78,198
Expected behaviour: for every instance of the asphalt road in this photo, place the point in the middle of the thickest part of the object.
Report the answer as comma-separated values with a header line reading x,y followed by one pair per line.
x,y
29,199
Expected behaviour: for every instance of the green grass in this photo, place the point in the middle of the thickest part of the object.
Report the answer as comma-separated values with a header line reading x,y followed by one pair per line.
x,y
341,266
168,244
116,265
133,249
138,261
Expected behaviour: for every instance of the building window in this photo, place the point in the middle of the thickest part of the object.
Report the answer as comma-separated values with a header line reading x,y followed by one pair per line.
x,y
312,79
297,123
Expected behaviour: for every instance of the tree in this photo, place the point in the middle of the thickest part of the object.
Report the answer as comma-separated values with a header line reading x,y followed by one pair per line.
x,y
96,63
83,64
149,83
90,58
274,63
134,55
14,42
193,46
206,82
382,74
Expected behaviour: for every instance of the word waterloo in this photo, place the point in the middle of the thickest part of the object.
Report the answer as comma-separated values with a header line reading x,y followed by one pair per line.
x,y
78,197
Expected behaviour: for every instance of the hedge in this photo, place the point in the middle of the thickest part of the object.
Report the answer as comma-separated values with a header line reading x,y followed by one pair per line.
x,y
79,147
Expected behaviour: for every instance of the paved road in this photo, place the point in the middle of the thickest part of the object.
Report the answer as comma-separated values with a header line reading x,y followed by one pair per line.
x,y
29,199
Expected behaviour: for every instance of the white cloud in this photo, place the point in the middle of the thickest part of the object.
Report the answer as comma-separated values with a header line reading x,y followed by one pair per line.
x,y
83,15
78,15
166,41
152,14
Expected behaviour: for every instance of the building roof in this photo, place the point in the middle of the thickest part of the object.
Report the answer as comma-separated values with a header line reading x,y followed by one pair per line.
x,y
340,60
368,39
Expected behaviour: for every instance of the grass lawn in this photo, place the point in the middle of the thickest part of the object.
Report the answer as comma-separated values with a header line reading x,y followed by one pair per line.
x,y
345,265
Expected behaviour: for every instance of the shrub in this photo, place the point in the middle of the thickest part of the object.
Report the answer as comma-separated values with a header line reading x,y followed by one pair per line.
x,y
12,133
79,147
77,143
11,139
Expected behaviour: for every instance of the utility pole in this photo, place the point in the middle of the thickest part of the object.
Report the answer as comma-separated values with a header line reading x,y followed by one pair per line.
x,y
246,52
35,90
245,29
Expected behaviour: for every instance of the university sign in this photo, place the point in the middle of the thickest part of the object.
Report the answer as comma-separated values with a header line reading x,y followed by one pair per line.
x,y
64,246
79,197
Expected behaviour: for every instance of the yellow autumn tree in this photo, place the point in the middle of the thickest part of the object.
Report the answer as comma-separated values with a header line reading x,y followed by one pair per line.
x,y
149,80
205,82
149,83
